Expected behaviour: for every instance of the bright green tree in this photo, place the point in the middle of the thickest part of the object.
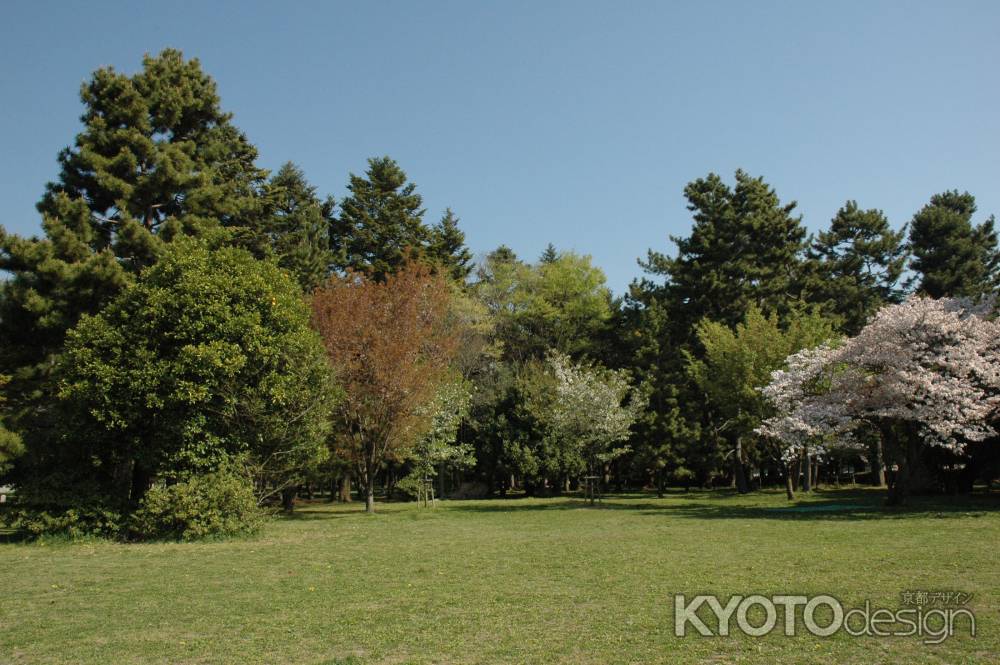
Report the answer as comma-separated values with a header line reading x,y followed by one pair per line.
x,y
737,362
206,360
951,255
561,304
569,305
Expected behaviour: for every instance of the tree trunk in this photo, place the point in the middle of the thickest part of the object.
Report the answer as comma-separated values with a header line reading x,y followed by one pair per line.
x,y
739,473
878,462
789,486
141,480
901,484
807,476
370,496
344,495
288,499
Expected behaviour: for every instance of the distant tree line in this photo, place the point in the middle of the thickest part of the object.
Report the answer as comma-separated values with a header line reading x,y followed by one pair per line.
x,y
190,330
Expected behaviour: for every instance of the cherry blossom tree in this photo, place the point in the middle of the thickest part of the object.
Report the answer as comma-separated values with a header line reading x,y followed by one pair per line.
x,y
923,372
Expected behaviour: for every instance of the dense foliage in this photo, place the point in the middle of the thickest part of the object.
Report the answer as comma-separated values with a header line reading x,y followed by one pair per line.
x,y
163,341
220,503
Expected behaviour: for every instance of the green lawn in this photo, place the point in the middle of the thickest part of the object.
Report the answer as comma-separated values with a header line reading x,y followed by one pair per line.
x,y
515,581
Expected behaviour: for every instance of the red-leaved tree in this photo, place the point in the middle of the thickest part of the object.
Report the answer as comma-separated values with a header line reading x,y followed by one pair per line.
x,y
390,344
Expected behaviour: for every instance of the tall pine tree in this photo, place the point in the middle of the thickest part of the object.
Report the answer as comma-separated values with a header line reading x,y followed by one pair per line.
x,y
951,255
744,249
156,158
855,266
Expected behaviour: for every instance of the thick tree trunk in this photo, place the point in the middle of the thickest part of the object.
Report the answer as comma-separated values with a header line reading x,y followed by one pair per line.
x,y
789,486
807,476
370,496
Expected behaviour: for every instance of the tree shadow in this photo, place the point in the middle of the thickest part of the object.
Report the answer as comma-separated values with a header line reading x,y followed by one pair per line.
x,y
314,514
844,506
834,504
12,536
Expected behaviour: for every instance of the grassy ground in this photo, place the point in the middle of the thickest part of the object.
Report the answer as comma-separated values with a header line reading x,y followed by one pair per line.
x,y
516,581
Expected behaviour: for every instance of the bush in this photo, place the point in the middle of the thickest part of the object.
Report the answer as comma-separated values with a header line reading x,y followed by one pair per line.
x,y
80,522
213,504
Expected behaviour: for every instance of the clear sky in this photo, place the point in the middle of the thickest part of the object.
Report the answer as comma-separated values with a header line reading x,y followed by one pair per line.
x,y
576,123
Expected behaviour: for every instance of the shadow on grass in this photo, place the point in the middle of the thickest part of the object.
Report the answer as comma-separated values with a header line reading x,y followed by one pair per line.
x,y
842,505
11,536
308,514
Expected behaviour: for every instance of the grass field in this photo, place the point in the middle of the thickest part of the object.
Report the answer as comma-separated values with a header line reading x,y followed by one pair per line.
x,y
513,581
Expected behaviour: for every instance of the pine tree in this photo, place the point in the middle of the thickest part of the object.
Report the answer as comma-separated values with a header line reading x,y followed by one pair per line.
x,y
296,227
447,247
952,256
744,249
156,158
381,222
854,267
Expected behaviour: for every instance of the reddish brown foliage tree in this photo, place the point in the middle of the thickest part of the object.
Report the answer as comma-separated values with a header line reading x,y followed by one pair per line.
x,y
391,344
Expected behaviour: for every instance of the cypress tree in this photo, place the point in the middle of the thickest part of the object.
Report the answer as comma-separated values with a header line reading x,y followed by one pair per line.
x,y
380,224
296,227
447,248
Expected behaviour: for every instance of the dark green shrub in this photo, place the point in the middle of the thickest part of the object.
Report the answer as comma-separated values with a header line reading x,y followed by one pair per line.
x,y
212,504
79,522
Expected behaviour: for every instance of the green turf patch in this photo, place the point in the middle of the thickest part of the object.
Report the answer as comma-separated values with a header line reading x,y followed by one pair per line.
x,y
512,581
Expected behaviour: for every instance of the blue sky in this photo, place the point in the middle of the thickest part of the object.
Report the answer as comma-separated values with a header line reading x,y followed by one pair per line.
x,y
576,123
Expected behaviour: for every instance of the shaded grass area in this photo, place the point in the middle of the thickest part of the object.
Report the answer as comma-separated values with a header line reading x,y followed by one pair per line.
x,y
505,581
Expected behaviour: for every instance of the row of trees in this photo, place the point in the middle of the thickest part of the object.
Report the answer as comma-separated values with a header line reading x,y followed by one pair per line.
x,y
187,315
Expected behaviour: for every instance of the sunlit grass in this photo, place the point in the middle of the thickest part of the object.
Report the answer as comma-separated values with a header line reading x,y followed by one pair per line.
x,y
521,580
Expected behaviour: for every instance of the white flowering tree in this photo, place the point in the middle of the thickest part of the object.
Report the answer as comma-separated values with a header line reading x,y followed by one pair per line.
x,y
592,410
809,417
924,372
437,451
